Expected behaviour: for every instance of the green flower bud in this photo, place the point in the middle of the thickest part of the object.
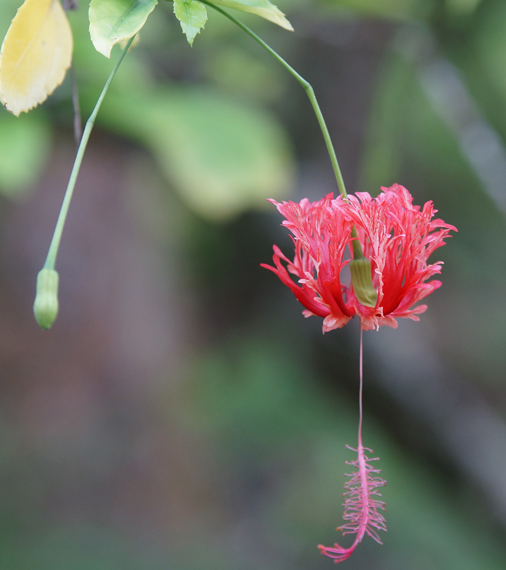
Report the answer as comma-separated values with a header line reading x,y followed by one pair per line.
x,y
45,307
361,280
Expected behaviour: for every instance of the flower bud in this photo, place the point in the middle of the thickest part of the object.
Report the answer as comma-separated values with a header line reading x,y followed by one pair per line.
x,y
361,280
45,307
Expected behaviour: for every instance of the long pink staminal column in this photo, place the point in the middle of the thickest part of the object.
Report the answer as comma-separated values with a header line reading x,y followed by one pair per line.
x,y
361,494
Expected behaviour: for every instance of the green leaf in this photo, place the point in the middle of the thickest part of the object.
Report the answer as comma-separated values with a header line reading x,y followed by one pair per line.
x,y
262,8
192,15
112,21
221,156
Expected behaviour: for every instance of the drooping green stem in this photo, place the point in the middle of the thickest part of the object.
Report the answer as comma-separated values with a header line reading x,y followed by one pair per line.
x,y
55,242
307,87
363,286
357,252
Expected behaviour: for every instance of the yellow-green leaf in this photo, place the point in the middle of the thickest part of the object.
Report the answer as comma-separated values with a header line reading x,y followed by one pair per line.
x,y
36,52
112,21
262,8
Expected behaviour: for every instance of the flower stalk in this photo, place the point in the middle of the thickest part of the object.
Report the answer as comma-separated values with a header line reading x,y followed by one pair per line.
x,y
307,88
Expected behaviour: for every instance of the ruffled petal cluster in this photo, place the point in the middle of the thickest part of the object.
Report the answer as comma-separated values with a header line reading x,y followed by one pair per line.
x,y
396,237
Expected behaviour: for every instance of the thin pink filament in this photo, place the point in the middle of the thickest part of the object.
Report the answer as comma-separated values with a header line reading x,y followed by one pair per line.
x,y
361,504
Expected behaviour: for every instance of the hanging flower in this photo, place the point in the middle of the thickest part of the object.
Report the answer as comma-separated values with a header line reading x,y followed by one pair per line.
x,y
386,242
396,238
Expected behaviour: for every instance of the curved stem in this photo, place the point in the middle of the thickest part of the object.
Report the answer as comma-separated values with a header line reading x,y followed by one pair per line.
x,y
307,87
55,242
356,250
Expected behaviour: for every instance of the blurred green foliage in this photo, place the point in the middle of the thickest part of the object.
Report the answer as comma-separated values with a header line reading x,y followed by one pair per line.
x,y
24,150
242,155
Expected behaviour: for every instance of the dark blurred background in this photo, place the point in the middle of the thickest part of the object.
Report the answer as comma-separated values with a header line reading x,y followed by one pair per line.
x,y
182,413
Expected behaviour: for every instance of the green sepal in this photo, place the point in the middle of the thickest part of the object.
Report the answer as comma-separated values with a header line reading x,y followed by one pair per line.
x,y
361,280
45,307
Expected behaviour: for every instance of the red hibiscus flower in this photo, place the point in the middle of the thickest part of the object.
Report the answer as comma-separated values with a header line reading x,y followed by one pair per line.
x,y
396,238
